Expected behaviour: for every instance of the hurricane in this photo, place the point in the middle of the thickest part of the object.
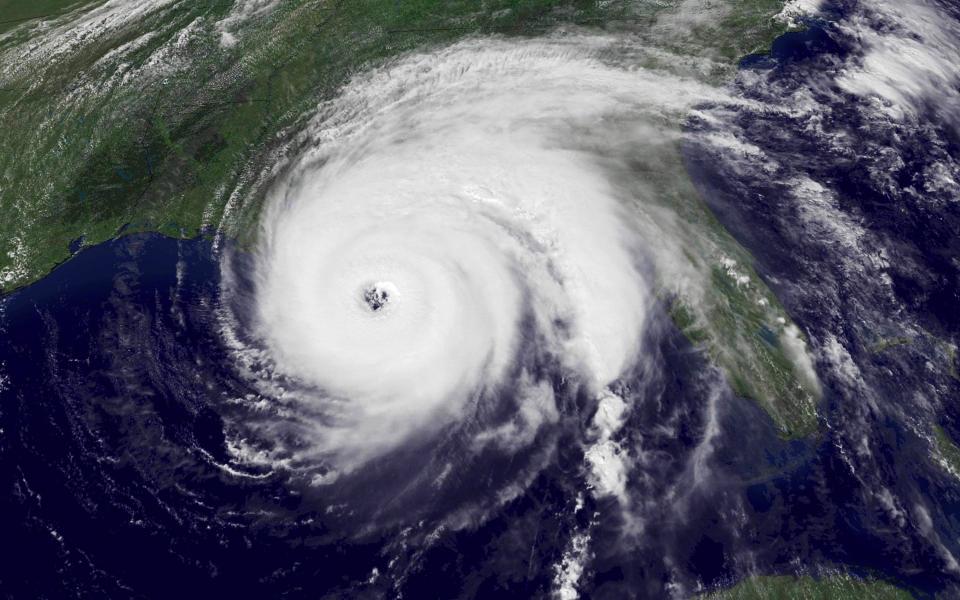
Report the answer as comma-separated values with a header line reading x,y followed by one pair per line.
x,y
458,232
549,299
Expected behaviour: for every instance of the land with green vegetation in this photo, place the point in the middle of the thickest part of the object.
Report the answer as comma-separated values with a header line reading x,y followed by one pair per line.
x,y
888,343
949,452
165,116
15,12
953,361
839,587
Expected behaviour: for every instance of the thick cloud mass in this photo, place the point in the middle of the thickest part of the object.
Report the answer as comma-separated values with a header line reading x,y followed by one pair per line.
x,y
454,217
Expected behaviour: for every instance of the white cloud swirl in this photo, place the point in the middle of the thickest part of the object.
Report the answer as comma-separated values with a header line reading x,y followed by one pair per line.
x,y
455,215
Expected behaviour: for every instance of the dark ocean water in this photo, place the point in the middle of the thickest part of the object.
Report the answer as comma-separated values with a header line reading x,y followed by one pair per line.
x,y
117,412
112,433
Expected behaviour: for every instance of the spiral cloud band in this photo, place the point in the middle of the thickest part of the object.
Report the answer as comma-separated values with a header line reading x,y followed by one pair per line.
x,y
454,215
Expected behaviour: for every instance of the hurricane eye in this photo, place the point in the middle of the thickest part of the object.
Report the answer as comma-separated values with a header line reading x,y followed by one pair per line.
x,y
376,296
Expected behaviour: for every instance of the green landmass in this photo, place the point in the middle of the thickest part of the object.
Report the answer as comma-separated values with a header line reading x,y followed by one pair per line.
x,y
14,12
840,587
886,344
737,320
949,453
165,121
84,158
953,362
